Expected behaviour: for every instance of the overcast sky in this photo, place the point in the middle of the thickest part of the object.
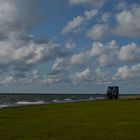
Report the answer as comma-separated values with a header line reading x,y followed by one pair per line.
x,y
69,46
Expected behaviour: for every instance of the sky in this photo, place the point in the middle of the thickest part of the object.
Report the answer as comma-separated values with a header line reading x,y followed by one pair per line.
x,y
69,46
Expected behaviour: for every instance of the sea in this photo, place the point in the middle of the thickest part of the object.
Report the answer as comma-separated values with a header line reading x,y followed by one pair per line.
x,y
18,99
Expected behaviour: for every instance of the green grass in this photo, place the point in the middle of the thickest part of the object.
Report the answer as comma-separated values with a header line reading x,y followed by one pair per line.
x,y
97,120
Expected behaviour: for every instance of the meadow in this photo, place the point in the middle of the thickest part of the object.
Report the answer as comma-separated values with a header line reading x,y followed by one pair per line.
x,y
93,120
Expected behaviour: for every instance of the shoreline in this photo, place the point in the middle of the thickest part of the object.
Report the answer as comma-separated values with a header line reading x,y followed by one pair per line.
x,y
47,103
65,101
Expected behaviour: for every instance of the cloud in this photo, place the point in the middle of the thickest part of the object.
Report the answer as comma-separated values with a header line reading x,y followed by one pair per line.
x,y
37,53
91,78
81,77
102,76
19,51
60,64
53,79
42,52
130,52
100,54
25,56
97,32
121,5
79,59
91,2
84,75
128,22
76,22
106,55
126,72
18,16
105,60
6,51
111,54
106,17
8,80
70,44
90,14
101,58
70,62
65,63
20,78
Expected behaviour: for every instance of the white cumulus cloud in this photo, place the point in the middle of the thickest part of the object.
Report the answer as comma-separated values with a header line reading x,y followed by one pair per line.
x,y
128,22
60,64
130,52
127,72
106,54
78,21
17,16
81,77
98,31
92,2
79,59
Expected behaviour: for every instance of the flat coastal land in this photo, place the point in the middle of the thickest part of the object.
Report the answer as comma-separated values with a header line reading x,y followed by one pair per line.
x,y
93,120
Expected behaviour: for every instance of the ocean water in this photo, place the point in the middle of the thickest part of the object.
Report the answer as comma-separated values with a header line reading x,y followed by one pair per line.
x,y
12,100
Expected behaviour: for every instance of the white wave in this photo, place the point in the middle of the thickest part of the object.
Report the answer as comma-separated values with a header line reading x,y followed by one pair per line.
x,y
3,106
91,98
68,100
56,101
29,103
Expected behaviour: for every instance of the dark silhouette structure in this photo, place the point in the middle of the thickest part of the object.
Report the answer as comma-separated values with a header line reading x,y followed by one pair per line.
x,y
113,92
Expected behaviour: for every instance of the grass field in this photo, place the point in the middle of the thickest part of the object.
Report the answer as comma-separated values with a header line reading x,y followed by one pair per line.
x,y
97,120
